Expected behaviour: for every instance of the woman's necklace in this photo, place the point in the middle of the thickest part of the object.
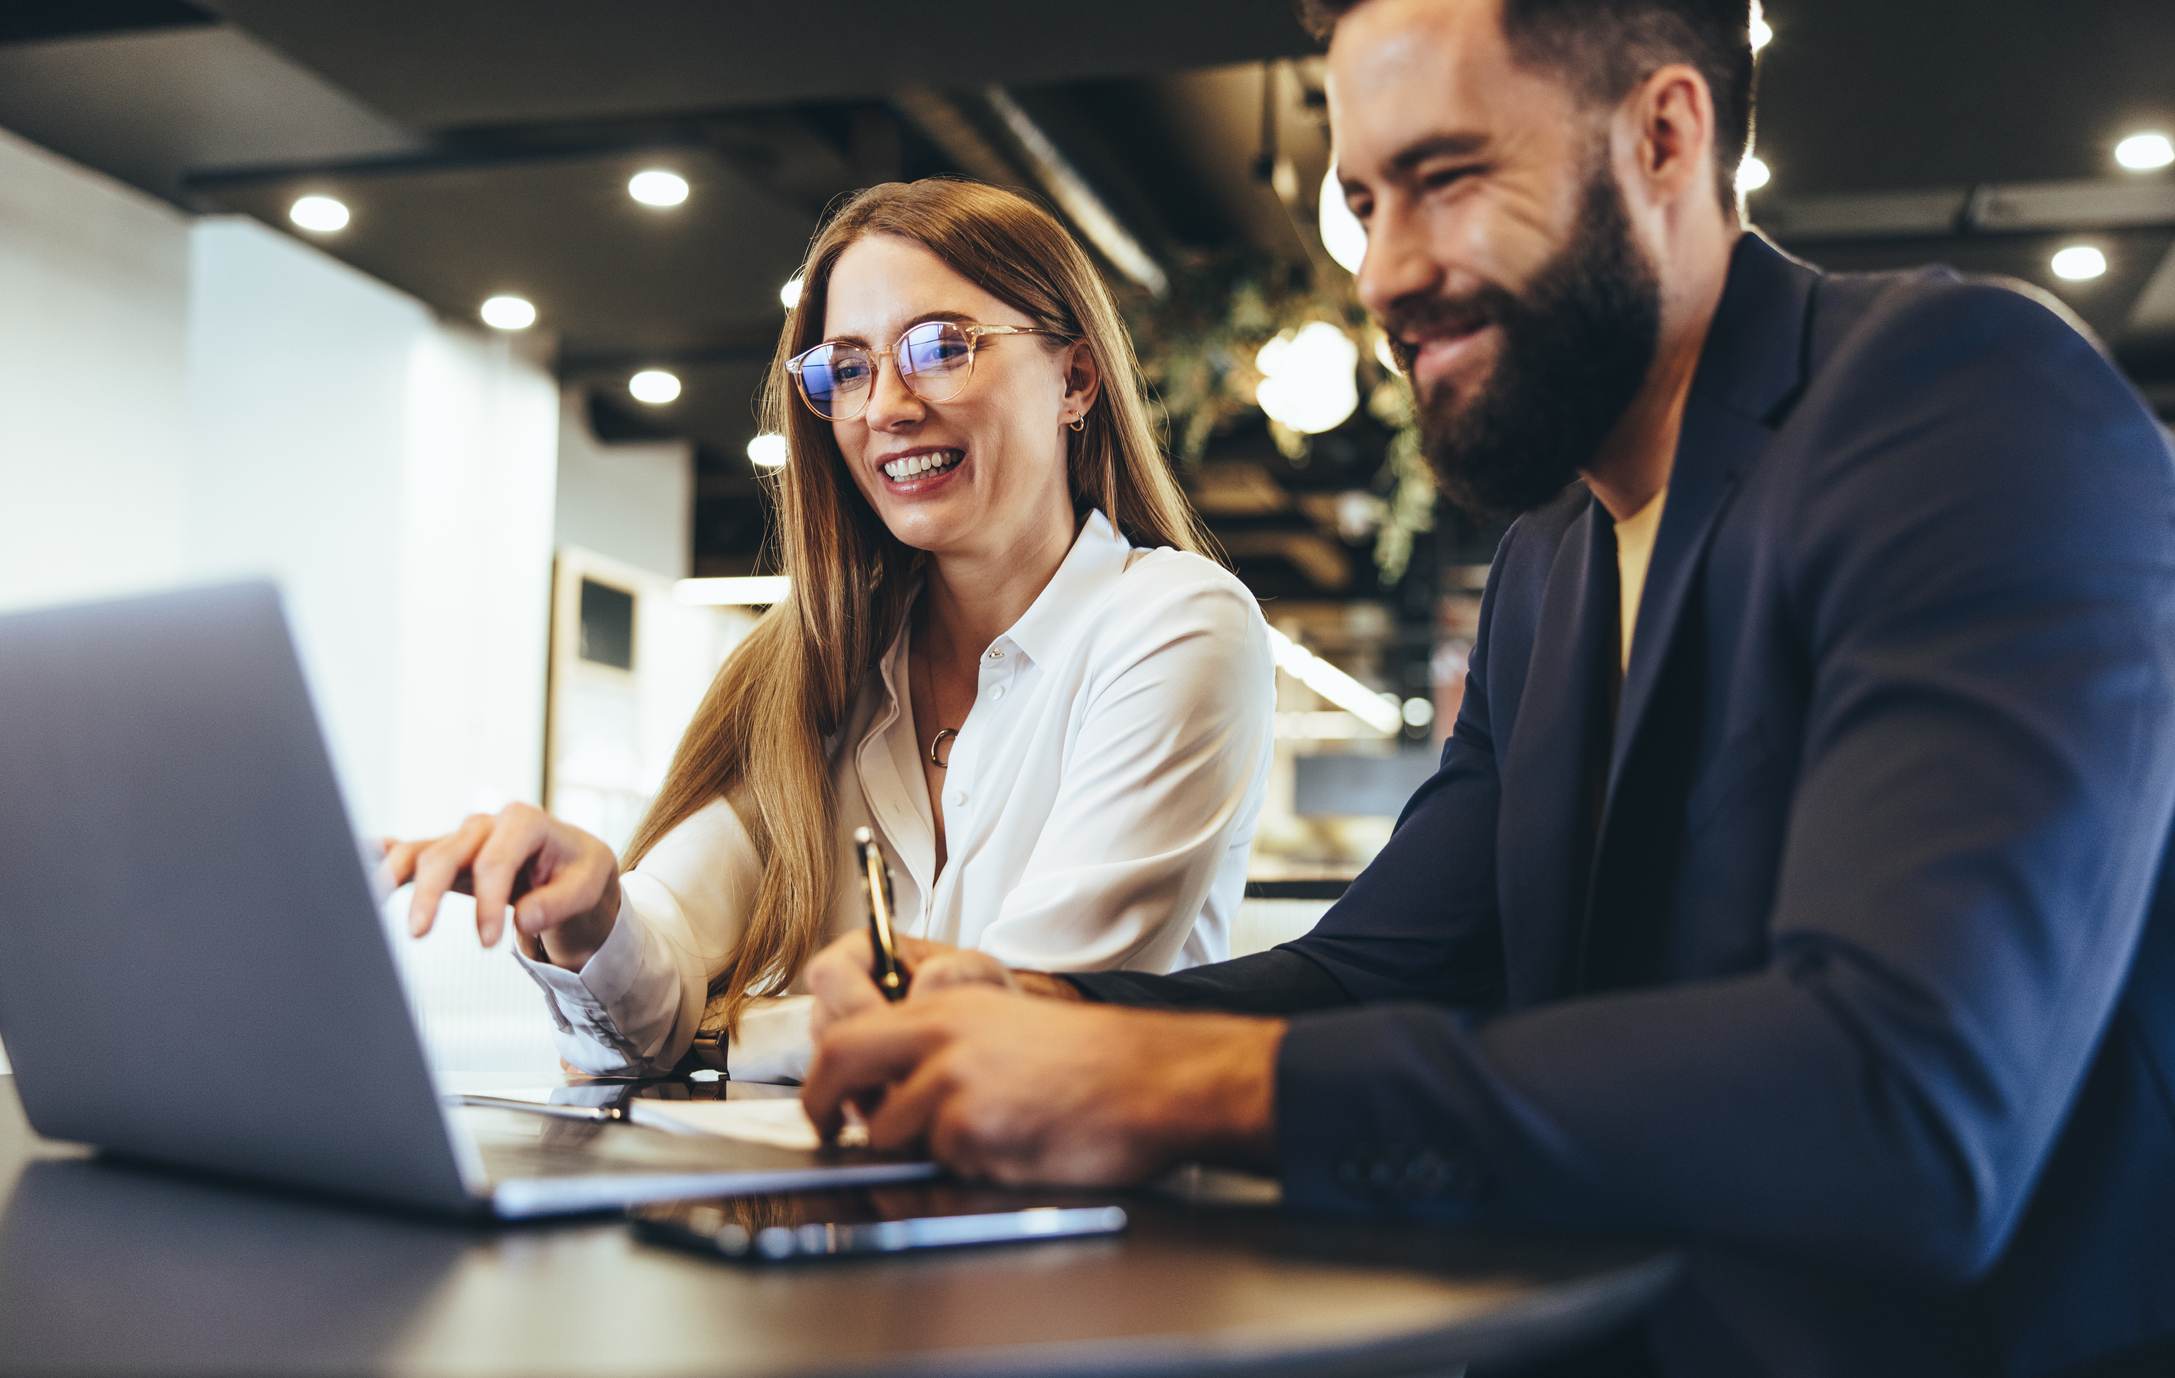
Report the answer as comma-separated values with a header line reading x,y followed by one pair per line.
x,y
921,679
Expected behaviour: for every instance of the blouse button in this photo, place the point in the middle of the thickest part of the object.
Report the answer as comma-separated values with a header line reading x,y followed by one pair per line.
x,y
997,693
959,798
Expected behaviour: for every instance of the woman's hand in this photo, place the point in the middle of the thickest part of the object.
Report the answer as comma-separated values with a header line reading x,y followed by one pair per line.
x,y
562,883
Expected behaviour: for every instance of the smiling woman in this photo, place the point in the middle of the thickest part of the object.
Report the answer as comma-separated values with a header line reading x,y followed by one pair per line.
x,y
1005,651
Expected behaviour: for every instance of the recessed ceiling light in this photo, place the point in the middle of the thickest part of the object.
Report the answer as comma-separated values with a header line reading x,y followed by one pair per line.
x,y
654,386
318,214
509,313
2080,263
657,187
767,451
790,294
2147,152
1752,174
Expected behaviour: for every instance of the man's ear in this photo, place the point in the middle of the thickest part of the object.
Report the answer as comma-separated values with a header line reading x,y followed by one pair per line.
x,y
1673,134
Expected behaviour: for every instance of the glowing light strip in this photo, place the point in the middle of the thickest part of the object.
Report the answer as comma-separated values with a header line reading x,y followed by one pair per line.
x,y
1334,684
752,592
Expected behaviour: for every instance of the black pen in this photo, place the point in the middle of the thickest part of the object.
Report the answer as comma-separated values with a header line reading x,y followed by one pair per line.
x,y
887,970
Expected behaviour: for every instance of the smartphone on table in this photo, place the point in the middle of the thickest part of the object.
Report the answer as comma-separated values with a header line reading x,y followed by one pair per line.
x,y
806,1226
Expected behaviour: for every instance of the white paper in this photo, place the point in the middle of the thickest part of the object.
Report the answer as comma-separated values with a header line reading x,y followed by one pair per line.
x,y
780,1123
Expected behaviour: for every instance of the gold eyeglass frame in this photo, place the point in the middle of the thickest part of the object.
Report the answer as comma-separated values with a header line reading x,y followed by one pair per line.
x,y
975,333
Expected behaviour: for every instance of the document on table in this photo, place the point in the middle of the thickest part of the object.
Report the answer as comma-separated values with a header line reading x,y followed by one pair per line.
x,y
780,1123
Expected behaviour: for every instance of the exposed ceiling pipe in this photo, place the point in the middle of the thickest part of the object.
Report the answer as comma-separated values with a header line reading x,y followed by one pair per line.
x,y
1062,182
951,125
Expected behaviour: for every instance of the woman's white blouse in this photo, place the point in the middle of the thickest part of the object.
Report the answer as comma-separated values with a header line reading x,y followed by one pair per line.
x,y
1099,802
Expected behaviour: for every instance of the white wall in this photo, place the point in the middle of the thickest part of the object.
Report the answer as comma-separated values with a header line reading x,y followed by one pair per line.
x,y
631,503
211,398
94,434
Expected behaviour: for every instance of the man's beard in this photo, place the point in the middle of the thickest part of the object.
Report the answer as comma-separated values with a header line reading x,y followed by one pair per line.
x,y
1574,349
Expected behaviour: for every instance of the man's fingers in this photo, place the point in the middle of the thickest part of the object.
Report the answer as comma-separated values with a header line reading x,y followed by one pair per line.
x,y
439,868
515,836
839,979
903,1119
863,1055
959,967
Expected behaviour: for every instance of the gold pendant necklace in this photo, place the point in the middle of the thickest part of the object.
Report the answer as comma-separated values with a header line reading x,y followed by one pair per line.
x,y
926,693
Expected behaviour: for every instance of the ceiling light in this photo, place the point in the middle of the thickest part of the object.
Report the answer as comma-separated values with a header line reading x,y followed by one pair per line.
x,y
767,451
1762,33
752,591
2080,263
1307,380
1419,713
318,214
2145,152
654,386
790,294
1752,174
657,187
1342,234
509,313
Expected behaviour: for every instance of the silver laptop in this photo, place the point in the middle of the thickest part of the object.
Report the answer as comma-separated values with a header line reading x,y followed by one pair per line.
x,y
193,969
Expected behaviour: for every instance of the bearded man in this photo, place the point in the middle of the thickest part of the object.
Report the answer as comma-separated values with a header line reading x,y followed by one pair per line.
x,y
1794,882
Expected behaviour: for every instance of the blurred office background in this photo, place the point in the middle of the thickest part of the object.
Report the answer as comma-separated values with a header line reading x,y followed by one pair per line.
x,y
451,317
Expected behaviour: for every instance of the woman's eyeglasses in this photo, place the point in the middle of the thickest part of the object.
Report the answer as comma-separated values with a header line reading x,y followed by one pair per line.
x,y
935,358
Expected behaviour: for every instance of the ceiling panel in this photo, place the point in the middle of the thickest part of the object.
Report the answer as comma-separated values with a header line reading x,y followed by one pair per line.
x,y
449,63
608,275
149,107
1870,95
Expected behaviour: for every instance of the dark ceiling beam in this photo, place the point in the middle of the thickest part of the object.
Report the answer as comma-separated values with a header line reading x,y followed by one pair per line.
x,y
754,347
212,183
2014,208
778,151
40,23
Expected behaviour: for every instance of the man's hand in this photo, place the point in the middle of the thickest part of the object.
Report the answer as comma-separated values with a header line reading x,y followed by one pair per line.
x,y
842,979
1021,1090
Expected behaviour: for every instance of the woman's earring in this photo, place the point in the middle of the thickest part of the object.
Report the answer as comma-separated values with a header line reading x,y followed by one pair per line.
x,y
1079,423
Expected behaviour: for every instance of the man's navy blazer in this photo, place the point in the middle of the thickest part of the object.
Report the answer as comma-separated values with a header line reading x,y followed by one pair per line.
x,y
1841,944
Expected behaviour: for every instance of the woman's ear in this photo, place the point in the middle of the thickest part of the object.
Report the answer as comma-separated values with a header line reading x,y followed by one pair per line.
x,y
1083,380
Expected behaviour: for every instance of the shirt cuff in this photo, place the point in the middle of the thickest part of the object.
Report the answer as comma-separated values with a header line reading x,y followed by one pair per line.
x,y
612,1013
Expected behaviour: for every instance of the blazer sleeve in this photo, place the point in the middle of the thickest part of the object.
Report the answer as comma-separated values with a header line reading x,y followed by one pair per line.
x,y
1983,573
1419,923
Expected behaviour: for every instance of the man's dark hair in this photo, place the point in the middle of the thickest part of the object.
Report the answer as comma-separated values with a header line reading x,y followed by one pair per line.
x,y
1607,47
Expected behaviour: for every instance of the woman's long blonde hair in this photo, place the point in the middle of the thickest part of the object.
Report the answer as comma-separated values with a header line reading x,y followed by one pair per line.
x,y
759,738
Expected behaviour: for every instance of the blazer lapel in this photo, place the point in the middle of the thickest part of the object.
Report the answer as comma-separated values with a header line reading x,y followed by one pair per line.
x,y
1750,370
1555,760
